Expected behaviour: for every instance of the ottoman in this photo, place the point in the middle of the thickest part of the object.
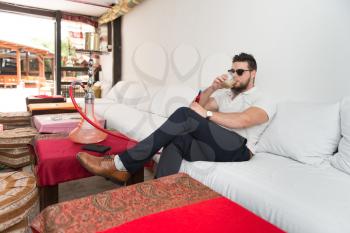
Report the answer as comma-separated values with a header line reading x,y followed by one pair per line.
x,y
12,120
18,195
14,151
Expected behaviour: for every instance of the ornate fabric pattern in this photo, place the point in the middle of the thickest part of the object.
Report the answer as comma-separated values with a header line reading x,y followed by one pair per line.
x,y
14,120
15,157
18,194
6,117
19,137
113,208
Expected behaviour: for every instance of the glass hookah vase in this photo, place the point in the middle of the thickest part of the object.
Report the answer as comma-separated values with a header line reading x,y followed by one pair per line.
x,y
85,133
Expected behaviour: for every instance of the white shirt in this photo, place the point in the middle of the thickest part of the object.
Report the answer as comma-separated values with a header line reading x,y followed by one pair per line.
x,y
252,97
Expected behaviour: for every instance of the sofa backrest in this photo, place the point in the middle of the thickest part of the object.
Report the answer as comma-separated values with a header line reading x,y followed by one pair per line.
x,y
127,92
160,100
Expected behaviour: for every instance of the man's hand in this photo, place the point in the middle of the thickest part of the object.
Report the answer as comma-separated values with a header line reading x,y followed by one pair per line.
x,y
218,82
198,109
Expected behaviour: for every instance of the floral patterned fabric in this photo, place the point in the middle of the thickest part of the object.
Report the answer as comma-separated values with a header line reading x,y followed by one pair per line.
x,y
113,208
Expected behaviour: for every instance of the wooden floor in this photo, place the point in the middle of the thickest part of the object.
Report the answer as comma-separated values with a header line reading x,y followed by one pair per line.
x,y
88,186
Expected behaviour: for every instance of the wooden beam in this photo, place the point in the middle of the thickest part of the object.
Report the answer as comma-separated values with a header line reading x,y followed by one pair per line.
x,y
26,64
41,67
15,46
9,7
18,65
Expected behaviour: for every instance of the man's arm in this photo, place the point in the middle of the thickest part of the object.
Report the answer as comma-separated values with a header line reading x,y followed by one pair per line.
x,y
208,102
248,118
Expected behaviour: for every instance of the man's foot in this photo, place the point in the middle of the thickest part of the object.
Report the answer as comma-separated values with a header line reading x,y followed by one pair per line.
x,y
102,166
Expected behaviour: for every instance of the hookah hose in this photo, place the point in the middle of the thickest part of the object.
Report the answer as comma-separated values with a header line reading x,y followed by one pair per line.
x,y
90,121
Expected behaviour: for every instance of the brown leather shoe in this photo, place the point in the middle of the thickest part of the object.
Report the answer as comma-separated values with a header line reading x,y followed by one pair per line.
x,y
102,166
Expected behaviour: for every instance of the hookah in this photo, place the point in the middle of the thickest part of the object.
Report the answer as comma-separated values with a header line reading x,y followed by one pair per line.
x,y
89,130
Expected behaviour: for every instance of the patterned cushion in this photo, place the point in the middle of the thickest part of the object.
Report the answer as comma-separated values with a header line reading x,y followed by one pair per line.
x,y
20,227
18,194
15,138
15,157
12,120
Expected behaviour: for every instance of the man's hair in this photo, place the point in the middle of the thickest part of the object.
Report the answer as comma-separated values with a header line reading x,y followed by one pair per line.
x,y
244,57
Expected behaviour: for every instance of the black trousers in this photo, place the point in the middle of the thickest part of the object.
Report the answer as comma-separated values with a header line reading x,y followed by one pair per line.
x,y
186,135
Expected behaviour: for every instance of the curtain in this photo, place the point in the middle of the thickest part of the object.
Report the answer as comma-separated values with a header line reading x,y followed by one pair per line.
x,y
123,7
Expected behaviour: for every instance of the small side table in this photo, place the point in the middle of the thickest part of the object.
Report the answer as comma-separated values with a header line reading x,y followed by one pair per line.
x,y
51,108
55,163
44,99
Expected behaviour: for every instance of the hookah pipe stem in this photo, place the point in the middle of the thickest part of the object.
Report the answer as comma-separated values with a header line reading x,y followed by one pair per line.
x,y
90,121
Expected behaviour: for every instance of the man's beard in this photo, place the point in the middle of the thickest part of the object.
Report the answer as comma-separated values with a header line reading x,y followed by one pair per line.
x,y
242,87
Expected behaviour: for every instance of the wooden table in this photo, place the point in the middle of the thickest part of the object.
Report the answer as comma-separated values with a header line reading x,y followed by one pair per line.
x,y
51,108
55,163
44,99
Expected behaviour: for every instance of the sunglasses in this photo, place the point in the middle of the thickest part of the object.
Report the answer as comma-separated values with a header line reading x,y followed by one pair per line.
x,y
238,71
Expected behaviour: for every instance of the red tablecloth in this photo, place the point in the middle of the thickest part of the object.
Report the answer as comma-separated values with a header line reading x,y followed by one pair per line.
x,y
56,158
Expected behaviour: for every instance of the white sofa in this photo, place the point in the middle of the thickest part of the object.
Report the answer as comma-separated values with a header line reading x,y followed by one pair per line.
x,y
295,181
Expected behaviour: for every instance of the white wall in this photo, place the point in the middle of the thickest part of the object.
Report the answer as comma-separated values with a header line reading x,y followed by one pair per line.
x,y
106,75
302,47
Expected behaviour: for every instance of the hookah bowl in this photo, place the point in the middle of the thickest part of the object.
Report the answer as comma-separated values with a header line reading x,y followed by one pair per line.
x,y
85,133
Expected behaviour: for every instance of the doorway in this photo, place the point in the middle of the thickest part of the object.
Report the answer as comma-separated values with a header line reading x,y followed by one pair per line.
x,y
27,49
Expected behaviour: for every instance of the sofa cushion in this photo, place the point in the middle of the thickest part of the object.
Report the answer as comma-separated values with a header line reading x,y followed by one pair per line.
x,y
290,195
306,132
145,103
127,92
341,159
164,101
169,99
133,123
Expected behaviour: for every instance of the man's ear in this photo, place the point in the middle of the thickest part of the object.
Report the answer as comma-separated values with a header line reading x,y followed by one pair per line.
x,y
253,73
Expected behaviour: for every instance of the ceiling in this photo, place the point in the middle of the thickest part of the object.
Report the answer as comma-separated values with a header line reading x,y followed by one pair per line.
x,y
83,7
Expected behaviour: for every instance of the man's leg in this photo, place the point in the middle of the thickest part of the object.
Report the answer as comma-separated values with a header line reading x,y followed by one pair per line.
x,y
218,144
202,149
213,142
172,155
181,122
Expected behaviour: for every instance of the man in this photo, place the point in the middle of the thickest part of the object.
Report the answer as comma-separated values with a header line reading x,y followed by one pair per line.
x,y
224,127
